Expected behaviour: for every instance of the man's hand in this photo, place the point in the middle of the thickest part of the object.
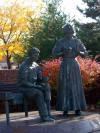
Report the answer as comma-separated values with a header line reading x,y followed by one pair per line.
x,y
36,85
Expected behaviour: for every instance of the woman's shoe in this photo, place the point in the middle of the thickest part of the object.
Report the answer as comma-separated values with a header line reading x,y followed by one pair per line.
x,y
65,113
78,112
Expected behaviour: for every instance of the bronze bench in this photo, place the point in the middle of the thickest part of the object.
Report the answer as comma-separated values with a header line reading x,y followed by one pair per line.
x,y
8,92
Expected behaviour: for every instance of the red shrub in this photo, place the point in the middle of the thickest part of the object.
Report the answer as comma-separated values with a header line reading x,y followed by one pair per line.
x,y
51,67
89,69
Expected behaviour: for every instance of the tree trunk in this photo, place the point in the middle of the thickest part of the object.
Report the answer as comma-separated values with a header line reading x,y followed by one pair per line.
x,y
8,60
8,63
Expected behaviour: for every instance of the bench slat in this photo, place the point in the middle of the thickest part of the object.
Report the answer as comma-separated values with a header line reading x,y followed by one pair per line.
x,y
10,91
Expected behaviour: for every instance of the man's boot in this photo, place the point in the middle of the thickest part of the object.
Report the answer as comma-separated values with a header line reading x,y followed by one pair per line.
x,y
47,119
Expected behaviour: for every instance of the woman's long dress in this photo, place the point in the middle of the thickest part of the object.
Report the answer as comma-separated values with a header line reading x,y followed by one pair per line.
x,y
70,91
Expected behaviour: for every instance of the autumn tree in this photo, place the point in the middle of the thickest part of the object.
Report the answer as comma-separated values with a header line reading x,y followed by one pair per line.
x,y
13,22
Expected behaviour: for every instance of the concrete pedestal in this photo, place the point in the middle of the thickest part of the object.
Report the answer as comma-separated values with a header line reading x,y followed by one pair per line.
x,y
87,123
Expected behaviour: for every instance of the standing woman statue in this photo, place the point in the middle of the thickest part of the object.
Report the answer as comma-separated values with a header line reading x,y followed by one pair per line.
x,y
70,95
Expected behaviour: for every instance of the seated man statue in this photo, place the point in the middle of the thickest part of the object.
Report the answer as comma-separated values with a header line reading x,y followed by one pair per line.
x,y
32,85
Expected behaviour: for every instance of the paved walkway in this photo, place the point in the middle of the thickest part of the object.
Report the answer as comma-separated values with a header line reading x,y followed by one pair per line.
x,y
87,123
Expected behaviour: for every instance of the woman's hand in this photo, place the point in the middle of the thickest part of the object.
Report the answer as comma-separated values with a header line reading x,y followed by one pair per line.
x,y
67,50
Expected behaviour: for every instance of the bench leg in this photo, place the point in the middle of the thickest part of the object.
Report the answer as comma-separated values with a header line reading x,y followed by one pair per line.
x,y
7,111
26,107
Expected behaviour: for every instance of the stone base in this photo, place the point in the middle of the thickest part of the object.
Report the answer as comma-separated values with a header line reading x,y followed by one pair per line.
x,y
87,123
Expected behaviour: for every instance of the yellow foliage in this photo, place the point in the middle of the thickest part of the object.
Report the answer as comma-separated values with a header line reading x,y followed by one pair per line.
x,y
13,21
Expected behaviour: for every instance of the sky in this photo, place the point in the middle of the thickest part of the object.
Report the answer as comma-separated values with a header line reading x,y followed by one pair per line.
x,y
68,6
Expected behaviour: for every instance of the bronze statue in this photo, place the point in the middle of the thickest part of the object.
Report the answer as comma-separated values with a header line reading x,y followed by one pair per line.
x,y
70,95
32,85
